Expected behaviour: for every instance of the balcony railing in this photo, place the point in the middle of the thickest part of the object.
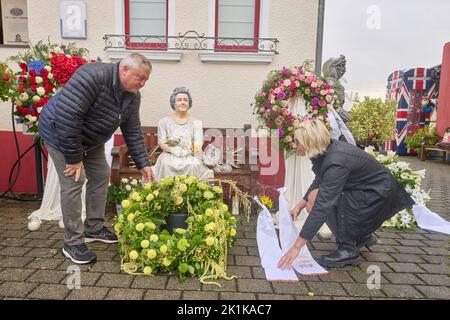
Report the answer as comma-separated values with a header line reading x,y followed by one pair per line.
x,y
190,40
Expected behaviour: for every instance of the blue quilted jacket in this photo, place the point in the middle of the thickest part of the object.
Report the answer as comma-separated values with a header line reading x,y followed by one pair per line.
x,y
86,112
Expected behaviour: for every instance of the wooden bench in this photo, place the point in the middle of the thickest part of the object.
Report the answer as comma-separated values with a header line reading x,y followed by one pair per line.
x,y
246,176
426,149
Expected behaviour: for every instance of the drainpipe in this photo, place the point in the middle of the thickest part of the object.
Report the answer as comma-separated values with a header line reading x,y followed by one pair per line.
x,y
319,39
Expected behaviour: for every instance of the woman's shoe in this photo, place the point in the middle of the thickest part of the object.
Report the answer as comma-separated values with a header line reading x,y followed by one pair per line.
x,y
367,241
340,258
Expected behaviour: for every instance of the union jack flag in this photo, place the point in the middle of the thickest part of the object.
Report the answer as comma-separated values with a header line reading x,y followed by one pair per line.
x,y
408,88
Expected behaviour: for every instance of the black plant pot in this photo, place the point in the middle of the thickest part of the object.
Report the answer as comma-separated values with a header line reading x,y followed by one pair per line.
x,y
176,220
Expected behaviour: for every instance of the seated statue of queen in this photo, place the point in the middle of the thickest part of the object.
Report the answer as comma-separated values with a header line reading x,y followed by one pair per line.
x,y
181,139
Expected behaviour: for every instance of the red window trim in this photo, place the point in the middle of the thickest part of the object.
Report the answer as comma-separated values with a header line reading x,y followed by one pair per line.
x,y
231,48
141,45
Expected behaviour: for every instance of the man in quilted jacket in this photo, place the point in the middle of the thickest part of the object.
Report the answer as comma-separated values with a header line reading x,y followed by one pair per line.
x,y
75,124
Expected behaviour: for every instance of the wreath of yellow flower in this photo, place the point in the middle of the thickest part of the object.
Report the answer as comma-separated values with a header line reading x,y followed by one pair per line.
x,y
199,250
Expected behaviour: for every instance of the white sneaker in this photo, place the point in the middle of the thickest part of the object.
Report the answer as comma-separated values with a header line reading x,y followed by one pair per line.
x,y
325,232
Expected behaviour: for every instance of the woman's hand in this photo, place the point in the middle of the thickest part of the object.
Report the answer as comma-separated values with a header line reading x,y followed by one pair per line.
x,y
297,209
291,255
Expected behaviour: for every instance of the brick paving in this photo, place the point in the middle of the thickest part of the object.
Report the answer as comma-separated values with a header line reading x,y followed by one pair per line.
x,y
413,264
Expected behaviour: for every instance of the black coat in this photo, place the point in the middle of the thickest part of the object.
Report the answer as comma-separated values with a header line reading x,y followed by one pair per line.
x,y
86,112
356,186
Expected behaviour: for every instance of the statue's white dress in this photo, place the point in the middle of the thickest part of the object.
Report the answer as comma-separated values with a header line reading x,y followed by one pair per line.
x,y
51,200
298,172
181,161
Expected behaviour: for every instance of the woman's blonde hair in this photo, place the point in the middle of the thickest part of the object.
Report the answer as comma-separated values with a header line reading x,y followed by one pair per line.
x,y
314,136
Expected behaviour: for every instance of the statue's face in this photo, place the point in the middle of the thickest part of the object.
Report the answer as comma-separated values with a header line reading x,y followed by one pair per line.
x,y
340,70
182,102
340,67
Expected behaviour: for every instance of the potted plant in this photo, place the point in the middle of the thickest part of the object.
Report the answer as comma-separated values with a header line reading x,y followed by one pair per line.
x,y
424,135
373,121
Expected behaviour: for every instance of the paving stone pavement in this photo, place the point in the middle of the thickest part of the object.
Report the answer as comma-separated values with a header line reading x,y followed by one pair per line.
x,y
413,264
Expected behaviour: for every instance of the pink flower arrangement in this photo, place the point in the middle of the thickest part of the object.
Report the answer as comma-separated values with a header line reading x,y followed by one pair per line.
x,y
271,101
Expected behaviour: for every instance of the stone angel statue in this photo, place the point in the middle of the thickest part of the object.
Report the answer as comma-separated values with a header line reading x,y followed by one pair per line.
x,y
333,70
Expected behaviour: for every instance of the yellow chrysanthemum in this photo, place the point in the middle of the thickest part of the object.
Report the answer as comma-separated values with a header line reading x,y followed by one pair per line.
x,y
178,200
147,270
125,204
150,225
145,244
166,262
209,241
134,255
163,249
265,200
151,254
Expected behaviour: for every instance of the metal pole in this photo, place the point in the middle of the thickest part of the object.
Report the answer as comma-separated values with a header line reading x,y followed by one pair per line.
x,y
39,175
319,39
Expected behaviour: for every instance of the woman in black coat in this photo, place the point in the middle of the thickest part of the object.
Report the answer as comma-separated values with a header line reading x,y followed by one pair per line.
x,y
352,192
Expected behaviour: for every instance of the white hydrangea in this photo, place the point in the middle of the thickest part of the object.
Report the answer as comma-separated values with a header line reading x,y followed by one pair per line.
x,y
404,219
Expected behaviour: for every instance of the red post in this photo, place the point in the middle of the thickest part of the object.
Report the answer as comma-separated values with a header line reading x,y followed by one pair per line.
x,y
443,115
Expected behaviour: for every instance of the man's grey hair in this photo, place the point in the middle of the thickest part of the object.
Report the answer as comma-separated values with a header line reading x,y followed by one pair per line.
x,y
135,60
179,90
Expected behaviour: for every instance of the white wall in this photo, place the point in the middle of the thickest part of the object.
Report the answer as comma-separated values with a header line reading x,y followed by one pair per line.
x,y
222,92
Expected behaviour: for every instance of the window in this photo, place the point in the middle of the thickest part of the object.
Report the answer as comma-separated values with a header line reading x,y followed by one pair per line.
x,y
239,20
144,18
14,22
